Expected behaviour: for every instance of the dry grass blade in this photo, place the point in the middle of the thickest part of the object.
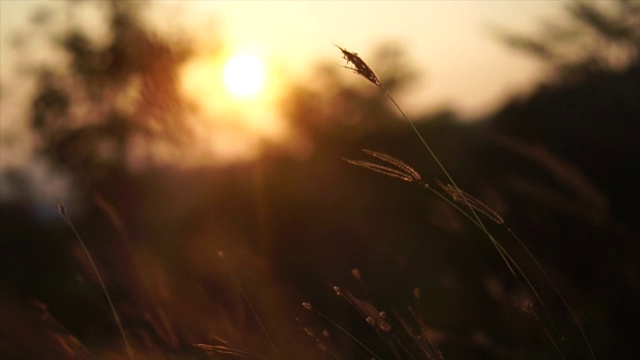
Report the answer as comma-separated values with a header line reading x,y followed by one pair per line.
x,y
396,162
225,348
359,66
465,198
324,346
371,314
381,169
223,257
394,167
422,336
115,313
310,307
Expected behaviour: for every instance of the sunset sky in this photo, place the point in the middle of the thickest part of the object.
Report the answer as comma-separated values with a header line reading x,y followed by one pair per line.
x,y
450,43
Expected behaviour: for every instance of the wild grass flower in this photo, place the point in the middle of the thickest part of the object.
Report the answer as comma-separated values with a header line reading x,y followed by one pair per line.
x,y
452,196
362,69
322,342
223,347
422,336
405,337
359,66
371,314
310,307
462,197
396,168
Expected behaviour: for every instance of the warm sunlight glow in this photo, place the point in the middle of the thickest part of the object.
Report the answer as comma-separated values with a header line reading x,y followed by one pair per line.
x,y
243,75
235,103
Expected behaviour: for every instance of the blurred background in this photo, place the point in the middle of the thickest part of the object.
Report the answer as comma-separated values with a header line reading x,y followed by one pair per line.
x,y
199,149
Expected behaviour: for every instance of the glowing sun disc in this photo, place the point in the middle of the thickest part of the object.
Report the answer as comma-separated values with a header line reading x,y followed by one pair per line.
x,y
243,75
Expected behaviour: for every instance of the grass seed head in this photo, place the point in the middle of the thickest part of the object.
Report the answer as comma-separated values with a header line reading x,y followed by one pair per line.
x,y
391,166
356,274
359,66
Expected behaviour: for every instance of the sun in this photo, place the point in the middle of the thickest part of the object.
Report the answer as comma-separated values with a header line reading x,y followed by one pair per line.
x,y
235,99
243,75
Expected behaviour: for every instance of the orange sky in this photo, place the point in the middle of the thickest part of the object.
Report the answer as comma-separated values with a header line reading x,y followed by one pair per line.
x,y
449,42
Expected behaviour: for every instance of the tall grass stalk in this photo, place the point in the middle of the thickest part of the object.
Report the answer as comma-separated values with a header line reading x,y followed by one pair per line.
x,y
222,256
396,168
116,317
309,307
362,69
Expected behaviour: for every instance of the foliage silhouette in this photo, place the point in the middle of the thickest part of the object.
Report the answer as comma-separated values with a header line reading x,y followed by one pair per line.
x,y
597,37
111,98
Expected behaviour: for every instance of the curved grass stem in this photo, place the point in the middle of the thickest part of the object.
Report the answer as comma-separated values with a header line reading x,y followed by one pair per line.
x,y
95,270
342,329
236,282
361,68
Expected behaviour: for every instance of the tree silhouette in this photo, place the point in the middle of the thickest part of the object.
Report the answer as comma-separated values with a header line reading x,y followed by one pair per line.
x,y
597,36
587,115
111,98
